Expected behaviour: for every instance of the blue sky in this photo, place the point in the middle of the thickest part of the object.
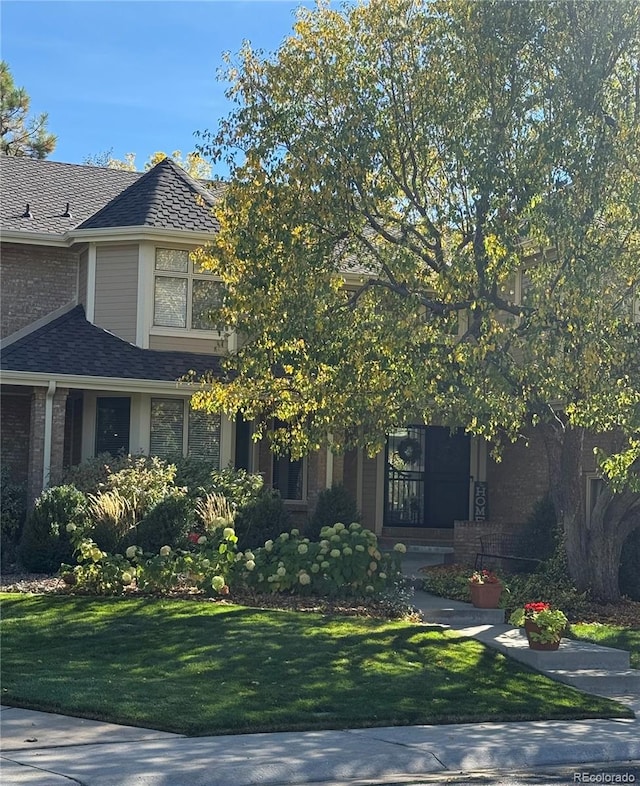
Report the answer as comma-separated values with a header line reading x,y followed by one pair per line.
x,y
133,76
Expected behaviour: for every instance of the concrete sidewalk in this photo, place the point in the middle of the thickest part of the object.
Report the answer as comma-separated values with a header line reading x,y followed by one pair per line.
x,y
41,749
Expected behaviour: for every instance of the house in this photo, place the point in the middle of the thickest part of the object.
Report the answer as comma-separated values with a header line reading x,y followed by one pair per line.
x,y
103,311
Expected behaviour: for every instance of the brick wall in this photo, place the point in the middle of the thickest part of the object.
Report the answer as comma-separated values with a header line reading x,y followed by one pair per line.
x,y
517,482
36,280
14,435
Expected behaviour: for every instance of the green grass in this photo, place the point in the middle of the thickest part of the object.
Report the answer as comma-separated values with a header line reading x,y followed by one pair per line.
x,y
204,668
617,636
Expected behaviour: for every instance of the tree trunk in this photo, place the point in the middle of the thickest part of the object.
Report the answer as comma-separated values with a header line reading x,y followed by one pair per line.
x,y
593,548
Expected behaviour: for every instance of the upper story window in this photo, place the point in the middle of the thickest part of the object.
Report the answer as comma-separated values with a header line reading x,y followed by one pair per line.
x,y
184,293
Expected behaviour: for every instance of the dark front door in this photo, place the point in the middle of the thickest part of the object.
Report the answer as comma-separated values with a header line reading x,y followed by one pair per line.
x,y
427,477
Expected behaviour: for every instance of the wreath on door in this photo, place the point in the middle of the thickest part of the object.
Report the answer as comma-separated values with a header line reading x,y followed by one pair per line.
x,y
409,450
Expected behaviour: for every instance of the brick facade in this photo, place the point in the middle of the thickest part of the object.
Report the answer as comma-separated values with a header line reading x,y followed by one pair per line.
x,y
36,280
14,434
517,482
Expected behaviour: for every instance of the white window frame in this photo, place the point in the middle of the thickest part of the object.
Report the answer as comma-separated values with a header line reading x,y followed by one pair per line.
x,y
190,276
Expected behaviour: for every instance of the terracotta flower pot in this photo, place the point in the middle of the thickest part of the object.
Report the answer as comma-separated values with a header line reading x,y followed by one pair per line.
x,y
531,627
485,596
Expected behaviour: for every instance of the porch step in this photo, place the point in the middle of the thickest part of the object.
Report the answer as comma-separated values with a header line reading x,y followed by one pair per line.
x,y
454,613
602,682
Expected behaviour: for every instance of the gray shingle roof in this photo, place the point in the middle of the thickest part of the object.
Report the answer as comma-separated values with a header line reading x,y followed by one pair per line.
x,y
47,186
71,345
165,197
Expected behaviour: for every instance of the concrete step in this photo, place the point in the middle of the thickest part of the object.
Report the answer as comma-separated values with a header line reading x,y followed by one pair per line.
x,y
572,655
602,682
454,613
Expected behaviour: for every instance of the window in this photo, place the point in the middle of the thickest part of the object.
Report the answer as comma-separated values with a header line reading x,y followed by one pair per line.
x,y
113,417
288,477
196,435
184,293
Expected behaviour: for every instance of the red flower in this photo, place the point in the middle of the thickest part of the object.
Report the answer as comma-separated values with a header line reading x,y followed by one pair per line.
x,y
194,536
535,608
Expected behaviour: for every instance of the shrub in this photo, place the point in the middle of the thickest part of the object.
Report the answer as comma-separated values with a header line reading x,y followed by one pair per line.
x,y
141,480
334,505
260,519
448,581
550,584
539,536
205,567
629,573
202,478
214,511
12,515
346,562
167,524
45,542
111,518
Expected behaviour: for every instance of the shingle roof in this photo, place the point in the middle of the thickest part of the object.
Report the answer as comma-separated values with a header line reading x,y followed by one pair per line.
x,y
47,186
164,197
71,345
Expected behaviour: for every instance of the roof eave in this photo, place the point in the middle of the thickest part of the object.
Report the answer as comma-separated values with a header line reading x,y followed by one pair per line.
x,y
76,381
139,233
34,238
104,234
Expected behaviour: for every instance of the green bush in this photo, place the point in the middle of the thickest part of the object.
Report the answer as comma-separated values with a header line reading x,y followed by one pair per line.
x,y
12,515
629,574
167,524
550,583
202,477
261,518
346,562
334,505
45,542
448,581
539,536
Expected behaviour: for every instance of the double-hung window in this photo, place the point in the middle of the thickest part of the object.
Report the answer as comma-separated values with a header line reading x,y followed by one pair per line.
x,y
184,292
177,430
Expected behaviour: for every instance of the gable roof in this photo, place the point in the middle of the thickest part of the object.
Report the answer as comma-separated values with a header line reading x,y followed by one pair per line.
x,y
69,345
165,197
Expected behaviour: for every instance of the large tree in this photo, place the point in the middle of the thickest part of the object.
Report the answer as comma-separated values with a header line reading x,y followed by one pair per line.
x,y
19,134
434,213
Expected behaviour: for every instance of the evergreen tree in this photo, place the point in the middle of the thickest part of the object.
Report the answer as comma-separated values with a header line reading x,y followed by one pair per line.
x,y
19,135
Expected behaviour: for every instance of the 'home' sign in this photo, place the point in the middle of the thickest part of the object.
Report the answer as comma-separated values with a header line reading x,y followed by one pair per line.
x,y
480,501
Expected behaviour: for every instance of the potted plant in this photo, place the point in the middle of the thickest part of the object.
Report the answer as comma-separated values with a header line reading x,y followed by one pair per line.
x,y
543,625
486,589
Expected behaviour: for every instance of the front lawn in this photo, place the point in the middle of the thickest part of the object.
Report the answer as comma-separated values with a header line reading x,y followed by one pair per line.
x,y
209,668
608,635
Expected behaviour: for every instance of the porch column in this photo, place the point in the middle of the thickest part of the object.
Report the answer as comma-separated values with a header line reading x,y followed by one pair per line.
x,y
58,417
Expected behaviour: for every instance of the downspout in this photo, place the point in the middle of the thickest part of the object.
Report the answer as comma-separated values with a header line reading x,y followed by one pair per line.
x,y
48,433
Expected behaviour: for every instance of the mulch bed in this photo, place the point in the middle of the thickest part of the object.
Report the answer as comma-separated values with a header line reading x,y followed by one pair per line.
x,y
40,584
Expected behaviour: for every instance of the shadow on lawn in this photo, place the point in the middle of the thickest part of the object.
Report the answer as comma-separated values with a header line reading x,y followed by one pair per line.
x,y
201,668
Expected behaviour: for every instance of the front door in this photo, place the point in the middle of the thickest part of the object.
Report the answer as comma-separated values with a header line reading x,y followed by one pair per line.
x,y
426,477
